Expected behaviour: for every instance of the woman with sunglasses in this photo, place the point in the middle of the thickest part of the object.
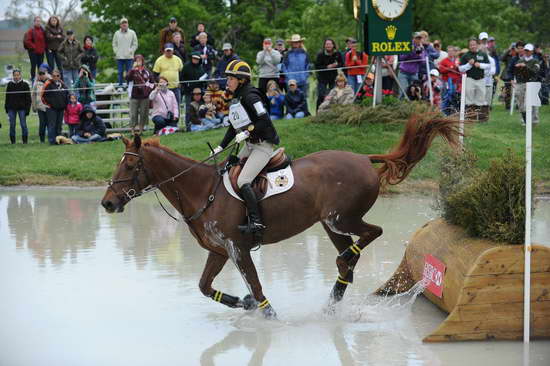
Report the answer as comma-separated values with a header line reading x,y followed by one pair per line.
x,y
55,96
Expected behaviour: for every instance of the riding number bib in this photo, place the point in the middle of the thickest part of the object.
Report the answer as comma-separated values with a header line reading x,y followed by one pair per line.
x,y
238,116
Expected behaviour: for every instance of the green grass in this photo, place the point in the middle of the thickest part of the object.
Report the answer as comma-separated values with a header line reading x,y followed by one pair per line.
x,y
37,163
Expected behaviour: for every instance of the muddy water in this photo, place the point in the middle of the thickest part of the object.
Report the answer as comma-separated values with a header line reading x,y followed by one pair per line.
x,y
80,287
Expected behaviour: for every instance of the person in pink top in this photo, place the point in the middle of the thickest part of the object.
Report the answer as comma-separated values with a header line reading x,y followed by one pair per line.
x,y
165,106
72,114
357,62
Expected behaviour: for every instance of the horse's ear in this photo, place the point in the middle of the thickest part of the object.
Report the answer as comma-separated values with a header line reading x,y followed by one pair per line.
x,y
137,141
125,141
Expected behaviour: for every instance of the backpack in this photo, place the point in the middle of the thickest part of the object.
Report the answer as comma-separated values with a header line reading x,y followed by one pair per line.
x,y
26,39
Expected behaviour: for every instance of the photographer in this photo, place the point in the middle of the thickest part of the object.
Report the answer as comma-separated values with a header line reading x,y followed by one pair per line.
x,y
410,63
84,86
165,106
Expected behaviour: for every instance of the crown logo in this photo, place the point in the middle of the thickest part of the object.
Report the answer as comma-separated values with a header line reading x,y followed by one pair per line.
x,y
391,30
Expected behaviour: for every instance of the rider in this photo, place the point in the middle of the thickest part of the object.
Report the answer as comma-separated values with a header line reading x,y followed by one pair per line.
x,y
249,118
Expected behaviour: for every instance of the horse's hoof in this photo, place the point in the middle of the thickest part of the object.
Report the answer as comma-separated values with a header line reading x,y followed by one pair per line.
x,y
249,303
269,313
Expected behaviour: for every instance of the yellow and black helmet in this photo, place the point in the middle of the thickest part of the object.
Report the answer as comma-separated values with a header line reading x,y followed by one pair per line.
x,y
238,69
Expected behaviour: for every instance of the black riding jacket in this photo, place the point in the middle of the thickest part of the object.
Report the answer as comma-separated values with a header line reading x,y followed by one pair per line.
x,y
263,127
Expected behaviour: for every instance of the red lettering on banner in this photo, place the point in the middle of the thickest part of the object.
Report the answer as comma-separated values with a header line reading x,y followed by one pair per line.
x,y
434,272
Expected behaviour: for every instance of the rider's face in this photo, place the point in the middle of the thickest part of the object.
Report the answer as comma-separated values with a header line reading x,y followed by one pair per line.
x,y
232,83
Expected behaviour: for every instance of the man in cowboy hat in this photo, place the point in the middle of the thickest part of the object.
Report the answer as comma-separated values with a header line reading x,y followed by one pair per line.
x,y
296,62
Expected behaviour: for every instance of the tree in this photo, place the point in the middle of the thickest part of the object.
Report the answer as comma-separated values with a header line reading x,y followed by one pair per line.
x,y
66,10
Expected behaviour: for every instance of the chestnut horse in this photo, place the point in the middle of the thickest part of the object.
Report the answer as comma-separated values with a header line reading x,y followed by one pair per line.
x,y
336,188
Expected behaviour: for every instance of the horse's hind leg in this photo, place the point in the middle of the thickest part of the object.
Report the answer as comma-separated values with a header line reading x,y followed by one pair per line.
x,y
214,265
366,232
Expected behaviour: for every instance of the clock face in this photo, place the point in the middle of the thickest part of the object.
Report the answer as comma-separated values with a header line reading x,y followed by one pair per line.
x,y
389,9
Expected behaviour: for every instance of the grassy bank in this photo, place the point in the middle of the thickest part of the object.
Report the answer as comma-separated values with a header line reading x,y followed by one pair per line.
x,y
41,164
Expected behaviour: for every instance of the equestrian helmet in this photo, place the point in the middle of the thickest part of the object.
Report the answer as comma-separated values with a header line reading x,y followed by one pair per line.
x,y
239,69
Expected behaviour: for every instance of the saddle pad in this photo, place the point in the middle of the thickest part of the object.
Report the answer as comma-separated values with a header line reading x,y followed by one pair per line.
x,y
277,182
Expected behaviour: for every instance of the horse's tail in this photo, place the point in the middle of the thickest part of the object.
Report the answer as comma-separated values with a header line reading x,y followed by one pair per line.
x,y
419,133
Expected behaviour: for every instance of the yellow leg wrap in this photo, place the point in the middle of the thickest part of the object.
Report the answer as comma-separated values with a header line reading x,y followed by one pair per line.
x,y
263,304
342,281
355,249
218,296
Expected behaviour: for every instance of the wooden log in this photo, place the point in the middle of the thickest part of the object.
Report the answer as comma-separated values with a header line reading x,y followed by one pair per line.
x,y
482,286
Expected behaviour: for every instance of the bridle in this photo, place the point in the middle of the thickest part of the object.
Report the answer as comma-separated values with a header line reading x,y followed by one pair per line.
x,y
131,193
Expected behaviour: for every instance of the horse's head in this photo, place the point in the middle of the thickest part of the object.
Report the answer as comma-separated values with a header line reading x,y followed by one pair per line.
x,y
129,178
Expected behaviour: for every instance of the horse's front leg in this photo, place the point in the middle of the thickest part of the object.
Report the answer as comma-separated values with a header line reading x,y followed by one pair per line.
x,y
256,299
214,265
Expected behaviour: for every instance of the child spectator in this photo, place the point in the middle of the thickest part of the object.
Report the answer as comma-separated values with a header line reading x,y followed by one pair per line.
x,y
54,37
341,94
18,103
209,111
85,86
90,129
295,101
367,89
357,62
72,114
90,55
436,88
37,105
165,106
276,100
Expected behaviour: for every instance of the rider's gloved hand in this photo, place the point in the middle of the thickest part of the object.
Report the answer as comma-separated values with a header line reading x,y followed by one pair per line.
x,y
241,136
217,149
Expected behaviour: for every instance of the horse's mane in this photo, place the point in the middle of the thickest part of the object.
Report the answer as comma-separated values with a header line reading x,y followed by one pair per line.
x,y
155,142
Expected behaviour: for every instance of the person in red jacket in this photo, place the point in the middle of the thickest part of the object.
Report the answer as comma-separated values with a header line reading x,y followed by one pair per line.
x,y
35,43
451,79
356,62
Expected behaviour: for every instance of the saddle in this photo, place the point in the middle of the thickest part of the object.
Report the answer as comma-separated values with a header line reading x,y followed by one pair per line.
x,y
279,160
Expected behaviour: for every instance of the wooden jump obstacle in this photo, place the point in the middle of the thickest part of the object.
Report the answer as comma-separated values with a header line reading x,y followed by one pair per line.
x,y
482,285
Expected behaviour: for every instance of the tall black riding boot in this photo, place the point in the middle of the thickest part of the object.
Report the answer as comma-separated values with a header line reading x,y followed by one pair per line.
x,y
254,218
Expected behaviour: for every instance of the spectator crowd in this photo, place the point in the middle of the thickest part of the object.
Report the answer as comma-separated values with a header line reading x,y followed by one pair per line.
x,y
190,72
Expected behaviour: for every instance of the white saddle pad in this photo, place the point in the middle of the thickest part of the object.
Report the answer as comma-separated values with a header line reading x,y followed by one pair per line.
x,y
277,182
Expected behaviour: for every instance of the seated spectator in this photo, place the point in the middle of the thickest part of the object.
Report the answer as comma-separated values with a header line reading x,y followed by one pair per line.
x,y
165,106
207,112
18,103
72,114
142,83
37,105
357,62
295,101
55,96
85,86
192,72
194,111
201,28
436,88
276,100
216,95
228,56
341,94
90,55
367,88
206,52
70,51
90,129
167,34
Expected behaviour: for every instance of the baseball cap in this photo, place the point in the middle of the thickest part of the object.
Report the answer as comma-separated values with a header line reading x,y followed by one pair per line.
x,y
483,35
292,82
529,47
227,46
168,46
434,72
69,32
491,39
173,20
196,54
280,41
417,35
123,20
43,67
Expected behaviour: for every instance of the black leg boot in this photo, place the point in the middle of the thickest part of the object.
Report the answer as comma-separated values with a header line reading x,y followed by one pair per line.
x,y
523,118
254,218
12,139
25,139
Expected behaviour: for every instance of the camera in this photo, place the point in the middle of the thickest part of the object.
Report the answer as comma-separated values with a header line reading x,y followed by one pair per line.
x,y
418,49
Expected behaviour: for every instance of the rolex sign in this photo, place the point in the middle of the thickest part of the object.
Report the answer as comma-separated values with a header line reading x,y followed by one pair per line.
x,y
389,27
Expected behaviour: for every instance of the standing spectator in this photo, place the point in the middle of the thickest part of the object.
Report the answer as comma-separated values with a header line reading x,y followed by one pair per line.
x,y
436,88
192,72
70,52
506,75
544,74
55,96
72,114
296,63
295,101
450,77
431,53
206,53
201,28
328,58
276,101
18,103
179,46
38,105
410,63
356,62
280,47
473,63
165,106
341,94
34,42
54,37
268,61
167,34
349,41
388,72
492,51
525,68
143,83
125,44
228,56
483,40
85,85
90,55
91,127
442,54
169,67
